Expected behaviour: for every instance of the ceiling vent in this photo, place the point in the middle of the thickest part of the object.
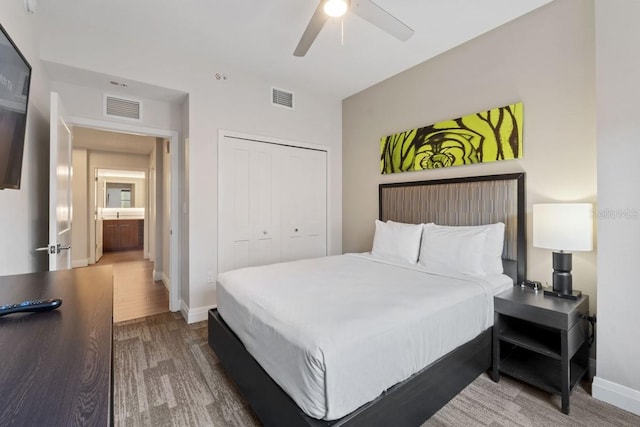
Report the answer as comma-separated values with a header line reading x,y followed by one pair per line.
x,y
122,108
282,98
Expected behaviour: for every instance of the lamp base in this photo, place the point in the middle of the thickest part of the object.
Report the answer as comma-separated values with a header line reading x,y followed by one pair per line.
x,y
562,279
573,295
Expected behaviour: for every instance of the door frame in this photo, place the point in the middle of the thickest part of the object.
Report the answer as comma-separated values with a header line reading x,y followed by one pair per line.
x,y
57,237
222,133
93,257
175,256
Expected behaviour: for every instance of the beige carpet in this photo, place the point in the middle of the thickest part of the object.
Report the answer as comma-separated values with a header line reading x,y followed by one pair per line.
x,y
165,374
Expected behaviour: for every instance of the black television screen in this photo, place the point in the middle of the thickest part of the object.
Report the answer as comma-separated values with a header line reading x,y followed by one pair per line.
x,y
15,80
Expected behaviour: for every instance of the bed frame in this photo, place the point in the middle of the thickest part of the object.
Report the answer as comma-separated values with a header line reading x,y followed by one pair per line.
x,y
458,201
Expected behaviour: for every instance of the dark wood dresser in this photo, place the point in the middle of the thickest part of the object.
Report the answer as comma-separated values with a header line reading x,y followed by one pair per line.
x,y
56,366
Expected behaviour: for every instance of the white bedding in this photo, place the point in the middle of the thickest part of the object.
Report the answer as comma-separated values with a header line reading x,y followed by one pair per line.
x,y
335,332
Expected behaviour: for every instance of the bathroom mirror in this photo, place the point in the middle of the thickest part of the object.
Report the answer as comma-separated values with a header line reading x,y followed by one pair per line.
x,y
120,195
121,189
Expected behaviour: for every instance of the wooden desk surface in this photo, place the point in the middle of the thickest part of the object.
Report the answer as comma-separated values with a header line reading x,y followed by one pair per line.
x,y
56,366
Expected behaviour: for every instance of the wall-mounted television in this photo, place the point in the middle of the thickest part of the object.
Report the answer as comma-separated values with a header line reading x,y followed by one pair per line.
x,y
15,81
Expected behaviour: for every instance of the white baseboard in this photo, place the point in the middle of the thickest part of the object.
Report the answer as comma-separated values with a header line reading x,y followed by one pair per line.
x,y
76,263
616,394
196,314
166,282
157,275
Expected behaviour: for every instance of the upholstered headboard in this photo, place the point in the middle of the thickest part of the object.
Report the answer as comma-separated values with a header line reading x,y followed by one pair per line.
x,y
465,201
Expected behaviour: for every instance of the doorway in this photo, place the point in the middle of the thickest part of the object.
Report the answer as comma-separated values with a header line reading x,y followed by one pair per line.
x,y
111,193
125,233
122,211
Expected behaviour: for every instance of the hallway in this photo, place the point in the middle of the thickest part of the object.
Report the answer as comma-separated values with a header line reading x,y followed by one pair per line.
x,y
135,294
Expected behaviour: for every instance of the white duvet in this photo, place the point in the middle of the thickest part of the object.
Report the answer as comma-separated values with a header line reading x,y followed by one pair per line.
x,y
335,332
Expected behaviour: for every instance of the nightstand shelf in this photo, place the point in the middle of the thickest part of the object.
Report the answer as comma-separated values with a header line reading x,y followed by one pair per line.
x,y
528,335
535,369
541,340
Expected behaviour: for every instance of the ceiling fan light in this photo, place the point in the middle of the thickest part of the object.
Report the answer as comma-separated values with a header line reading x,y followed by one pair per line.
x,y
335,8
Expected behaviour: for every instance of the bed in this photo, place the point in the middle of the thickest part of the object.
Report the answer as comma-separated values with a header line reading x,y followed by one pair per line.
x,y
403,397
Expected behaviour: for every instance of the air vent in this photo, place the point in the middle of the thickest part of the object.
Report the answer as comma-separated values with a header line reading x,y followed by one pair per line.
x,y
122,108
282,98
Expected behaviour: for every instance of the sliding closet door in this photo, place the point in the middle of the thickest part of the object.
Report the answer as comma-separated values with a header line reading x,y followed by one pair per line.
x,y
304,212
249,211
272,203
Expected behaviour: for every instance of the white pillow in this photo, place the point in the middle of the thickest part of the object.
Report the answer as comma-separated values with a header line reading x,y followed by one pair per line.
x,y
452,249
396,241
492,256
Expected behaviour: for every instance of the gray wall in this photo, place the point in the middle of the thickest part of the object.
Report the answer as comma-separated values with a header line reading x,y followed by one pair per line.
x,y
24,213
618,91
544,59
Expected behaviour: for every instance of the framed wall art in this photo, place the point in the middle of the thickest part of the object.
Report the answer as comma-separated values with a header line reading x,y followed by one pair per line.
x,y
484,137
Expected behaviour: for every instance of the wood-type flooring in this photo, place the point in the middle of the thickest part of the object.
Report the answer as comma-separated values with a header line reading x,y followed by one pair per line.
x,y
135,293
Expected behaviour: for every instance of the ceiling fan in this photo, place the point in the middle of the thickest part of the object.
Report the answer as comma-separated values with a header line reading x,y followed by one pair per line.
x,y
366,9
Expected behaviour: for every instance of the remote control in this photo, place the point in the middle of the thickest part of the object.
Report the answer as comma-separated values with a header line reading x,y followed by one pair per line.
x,y
31,306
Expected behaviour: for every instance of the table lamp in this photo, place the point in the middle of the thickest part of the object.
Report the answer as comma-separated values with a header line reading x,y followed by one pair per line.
x,y
563,227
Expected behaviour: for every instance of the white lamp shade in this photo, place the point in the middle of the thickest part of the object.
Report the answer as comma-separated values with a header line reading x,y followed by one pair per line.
x,y
563,226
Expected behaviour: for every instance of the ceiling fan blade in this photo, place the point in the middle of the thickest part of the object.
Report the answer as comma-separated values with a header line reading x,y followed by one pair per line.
x,y
369,11
316,23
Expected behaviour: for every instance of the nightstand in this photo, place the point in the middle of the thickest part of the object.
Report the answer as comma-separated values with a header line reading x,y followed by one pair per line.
x,y
541,340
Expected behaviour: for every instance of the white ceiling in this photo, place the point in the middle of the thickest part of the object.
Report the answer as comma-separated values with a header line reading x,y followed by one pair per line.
x,y
259,36
103,82
101,140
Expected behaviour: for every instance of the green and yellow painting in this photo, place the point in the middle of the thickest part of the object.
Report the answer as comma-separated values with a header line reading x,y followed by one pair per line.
x,y
477,138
